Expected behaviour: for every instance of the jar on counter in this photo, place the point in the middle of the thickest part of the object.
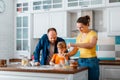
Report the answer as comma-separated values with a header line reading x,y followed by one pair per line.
x,y
25,61
3,63
73,64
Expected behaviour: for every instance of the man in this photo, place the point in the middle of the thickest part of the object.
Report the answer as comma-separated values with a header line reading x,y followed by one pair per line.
x,y
48,45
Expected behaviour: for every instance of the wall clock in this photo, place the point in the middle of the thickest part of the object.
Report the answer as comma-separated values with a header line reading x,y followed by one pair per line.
x,y
2,6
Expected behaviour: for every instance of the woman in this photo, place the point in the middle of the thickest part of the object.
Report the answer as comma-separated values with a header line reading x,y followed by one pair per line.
x,y
86,42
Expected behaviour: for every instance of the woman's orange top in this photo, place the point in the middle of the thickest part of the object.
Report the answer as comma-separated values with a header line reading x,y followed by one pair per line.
x,y
56,59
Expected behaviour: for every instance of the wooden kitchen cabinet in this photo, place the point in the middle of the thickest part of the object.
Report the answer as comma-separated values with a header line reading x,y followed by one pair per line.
x,y
113,22
110,72
58,20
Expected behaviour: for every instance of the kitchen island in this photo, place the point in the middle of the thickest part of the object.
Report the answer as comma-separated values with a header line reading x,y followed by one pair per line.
x,y
12,72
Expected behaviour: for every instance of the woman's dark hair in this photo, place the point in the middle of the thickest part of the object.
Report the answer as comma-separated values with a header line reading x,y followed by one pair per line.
x,y
84,19
51,29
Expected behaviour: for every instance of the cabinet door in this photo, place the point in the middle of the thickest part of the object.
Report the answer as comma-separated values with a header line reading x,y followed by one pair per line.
x,y
47,5
110,72
113,3
58,20
36,5
82,4
22,6
97,3
22,38
113,22
41,24
43,21
58,4
4,77
78,4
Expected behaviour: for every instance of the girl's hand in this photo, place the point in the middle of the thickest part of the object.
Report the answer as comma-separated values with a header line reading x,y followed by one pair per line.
x,y
51,63
64,54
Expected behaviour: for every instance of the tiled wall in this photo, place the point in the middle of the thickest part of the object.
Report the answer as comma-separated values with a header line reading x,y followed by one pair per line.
x,y
108,48
72,40
117,46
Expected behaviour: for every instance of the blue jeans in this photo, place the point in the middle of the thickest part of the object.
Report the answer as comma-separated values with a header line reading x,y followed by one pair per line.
x,y
93,67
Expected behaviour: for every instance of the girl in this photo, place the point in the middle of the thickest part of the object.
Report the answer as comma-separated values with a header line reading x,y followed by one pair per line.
x,y
59,58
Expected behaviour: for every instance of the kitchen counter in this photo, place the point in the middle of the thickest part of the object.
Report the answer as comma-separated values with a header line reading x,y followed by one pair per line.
x,y
39,69
15,72
16,68
109,62
18,72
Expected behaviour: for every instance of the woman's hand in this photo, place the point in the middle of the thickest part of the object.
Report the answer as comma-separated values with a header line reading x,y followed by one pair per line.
x,y
68,46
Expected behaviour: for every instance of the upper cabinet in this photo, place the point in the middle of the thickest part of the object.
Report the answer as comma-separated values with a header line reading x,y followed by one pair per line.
x,y
58,20
22,6
24,42
41,24
46,5
22,39
78,4
82,4
113,3
113,22
97,3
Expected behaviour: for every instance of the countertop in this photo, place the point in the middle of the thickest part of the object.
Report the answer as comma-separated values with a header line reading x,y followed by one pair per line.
x,y
109,62
18,68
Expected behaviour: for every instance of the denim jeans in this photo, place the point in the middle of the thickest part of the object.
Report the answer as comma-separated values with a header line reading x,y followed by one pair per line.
x,y
93,67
